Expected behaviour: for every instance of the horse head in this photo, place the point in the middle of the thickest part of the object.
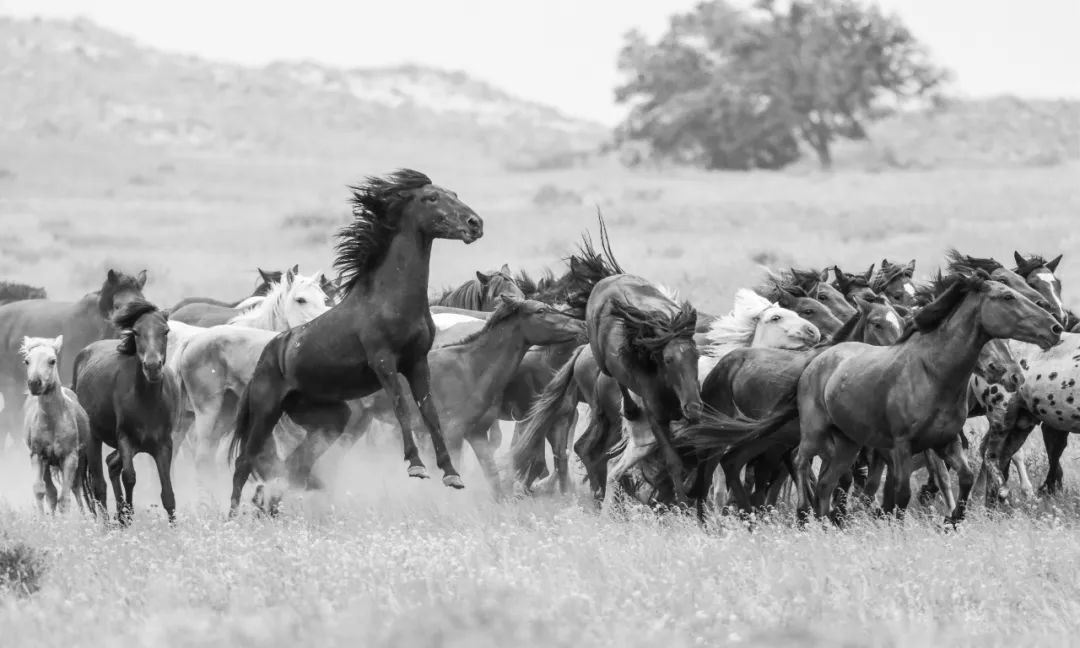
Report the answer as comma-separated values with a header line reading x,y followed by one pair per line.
x,y
42,358
144,333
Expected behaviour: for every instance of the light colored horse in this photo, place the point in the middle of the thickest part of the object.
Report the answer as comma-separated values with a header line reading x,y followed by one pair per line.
x,y
753,322
215,364
56,426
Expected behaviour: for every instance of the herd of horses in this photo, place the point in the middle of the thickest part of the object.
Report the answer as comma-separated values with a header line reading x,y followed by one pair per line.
x,y
873,373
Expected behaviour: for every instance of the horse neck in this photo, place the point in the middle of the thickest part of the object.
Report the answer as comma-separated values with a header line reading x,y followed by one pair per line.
x,y
400,281
53,404
950,352
267,315
496,355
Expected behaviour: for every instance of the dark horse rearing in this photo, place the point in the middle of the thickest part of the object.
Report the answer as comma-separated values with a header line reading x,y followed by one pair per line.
x,y
381,327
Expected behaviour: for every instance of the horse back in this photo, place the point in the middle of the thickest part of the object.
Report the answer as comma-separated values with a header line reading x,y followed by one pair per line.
x,y
204,314
78,322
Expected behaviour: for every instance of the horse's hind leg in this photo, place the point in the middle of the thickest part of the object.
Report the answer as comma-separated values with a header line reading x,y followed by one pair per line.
x,y
940,473
324,423
98,492
485,456
844,452
559,439
1055,441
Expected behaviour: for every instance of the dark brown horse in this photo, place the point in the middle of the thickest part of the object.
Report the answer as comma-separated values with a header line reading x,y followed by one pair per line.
x,y
755,381
483,293
852,285
13,292
130,398
815,284
911,396
381,328
81,323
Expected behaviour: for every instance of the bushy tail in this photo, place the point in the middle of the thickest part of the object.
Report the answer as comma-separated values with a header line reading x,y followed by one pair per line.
x,y
242,429
718,432
556,402
82,473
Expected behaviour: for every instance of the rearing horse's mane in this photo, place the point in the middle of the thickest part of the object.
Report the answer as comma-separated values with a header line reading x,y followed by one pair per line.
x,y
377,205
125,319
887,273
946,292
648,332
588,267
1028,264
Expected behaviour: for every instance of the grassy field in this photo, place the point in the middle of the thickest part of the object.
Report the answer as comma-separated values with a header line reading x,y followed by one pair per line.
x,y
389,561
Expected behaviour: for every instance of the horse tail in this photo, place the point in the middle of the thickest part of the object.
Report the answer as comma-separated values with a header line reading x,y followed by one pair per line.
x,y
718,432
557,401
242,429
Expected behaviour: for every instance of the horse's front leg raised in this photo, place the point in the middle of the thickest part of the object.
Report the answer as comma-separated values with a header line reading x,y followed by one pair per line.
x,y
419,377
385,368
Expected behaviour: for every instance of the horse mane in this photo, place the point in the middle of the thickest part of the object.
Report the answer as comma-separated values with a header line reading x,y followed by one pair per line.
x,y
506,309
526,283
110,289
31,343
806,278
947,292
961,262
377,204
846,281
886,274
776,283
1030,264
648,332
737,328
11,291
125,319
588,267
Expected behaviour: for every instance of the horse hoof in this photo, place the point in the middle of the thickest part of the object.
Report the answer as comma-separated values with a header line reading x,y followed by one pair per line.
x,y
419,472
453,481
1003,494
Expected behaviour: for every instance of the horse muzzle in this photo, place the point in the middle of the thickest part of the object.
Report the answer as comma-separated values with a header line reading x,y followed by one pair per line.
x,y
36,387
473,229
153,373
692,412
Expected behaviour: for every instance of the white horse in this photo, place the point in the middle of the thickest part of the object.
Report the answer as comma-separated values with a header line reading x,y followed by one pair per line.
x,y
754,322
295,301
56,426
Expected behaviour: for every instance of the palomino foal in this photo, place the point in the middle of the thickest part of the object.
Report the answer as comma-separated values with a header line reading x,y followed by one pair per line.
x,y
56,425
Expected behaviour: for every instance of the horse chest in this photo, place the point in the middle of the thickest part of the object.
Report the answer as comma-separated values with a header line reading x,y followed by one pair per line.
x,y
52,451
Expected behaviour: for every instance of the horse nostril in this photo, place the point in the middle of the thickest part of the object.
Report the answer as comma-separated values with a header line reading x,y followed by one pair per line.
x,y
1056,328
473,221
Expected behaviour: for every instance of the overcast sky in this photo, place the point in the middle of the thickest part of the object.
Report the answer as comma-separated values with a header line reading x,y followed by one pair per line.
x,y
562,52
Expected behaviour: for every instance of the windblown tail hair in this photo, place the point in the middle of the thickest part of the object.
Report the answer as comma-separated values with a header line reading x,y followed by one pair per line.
x,y
556,402
717,432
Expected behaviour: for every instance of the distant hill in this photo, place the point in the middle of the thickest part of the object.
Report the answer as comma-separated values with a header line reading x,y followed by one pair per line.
x,y
997,132
73,80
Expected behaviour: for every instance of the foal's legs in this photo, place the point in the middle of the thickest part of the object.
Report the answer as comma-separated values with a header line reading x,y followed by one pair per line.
x,y
419,377
41,471
68,483
1055,441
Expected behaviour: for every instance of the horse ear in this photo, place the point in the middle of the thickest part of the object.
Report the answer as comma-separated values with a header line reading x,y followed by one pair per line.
x,y
505,269
165,314
141,279
127,342
482,278
296,269
290,275
509,299
785,299
1054,264
823,276
58,343
266,276
911,266
869,273
1018,258
111,277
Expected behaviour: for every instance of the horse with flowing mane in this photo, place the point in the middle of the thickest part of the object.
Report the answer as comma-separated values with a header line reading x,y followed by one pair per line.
x,y
482,293
382,328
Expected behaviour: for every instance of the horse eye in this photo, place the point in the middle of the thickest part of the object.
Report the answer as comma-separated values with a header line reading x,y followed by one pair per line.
x,y
431,198
823,297
301,300
26,362
775,318
1010,297
52,361
807,312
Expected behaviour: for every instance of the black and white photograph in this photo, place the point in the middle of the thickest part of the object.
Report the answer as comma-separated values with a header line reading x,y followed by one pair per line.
x,y
561,323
